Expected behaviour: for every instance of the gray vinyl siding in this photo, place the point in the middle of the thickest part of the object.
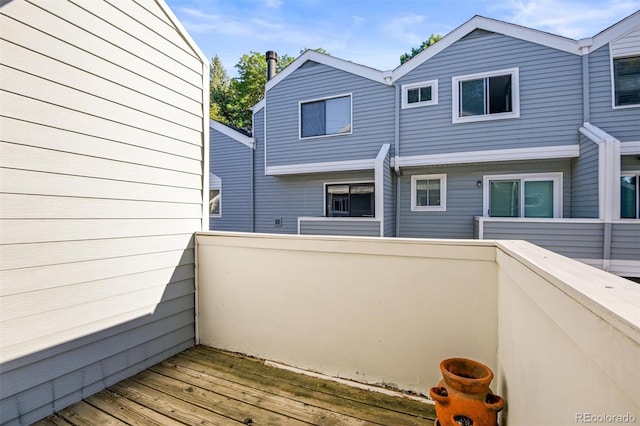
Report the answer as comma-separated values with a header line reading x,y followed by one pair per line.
x,y
584,189
358,228
372,116
550,98
625,241
622,123
231,161
575,240
100,194
389,229
464,197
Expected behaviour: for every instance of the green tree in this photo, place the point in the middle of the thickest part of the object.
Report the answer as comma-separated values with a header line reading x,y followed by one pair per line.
x,y
219,91
415,50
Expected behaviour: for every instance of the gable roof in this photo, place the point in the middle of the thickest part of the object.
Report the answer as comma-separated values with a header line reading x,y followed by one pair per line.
x,y
236,134
616,31
383,77
481,23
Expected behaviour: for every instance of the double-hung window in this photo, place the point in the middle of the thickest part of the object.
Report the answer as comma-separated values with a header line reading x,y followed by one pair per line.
x,y
429,192
630,195
350,200
626,81
420,94
530,195
325,117
486,96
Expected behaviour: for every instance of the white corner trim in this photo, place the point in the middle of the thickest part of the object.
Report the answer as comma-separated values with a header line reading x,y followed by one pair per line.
x,y
331,61
330,166
233,134
630,148
514,154
261,104
596,134
379,185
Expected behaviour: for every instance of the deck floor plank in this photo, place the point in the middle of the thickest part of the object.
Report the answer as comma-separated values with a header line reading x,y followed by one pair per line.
x,y
206,386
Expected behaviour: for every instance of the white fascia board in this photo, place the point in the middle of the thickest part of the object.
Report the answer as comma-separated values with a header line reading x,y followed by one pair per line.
x,y
331,166
183,32
500,27
630,148
331,61
596,134
534,153
261,104
233,134
616,31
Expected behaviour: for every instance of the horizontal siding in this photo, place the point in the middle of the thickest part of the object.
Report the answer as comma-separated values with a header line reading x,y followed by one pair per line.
x,y
627,45
550,89
389,199
231,162
464,197
361,228
622,123
372,117
101,109
584,187
625,241
575,240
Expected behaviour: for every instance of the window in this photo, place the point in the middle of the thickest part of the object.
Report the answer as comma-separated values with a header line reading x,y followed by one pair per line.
x,y
486,96
214,202
630,196
533,195
325,117
626,77
420,94
350,200
429,192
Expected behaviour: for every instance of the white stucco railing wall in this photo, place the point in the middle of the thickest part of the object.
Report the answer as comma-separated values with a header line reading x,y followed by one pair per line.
x,y
562,338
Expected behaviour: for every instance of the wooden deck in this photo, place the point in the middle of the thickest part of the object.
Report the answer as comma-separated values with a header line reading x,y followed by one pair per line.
x,y
204,386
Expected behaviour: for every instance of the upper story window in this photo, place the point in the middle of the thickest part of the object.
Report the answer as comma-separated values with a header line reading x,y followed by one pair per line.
x,y
429,192
626,78
486,96
325,117
528,195
630,195
420,94
350,200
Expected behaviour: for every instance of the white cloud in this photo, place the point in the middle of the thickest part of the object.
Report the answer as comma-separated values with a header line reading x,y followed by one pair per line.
x,y
273,4
407,28
574,19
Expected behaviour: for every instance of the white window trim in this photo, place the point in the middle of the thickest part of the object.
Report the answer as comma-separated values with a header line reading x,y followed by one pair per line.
x,y
515,102
613,80
345,182
443,193
631,173
557,190
342,95
434,94
219,188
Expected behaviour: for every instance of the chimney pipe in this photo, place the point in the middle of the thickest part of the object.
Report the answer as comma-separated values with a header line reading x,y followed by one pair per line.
x,y
272,60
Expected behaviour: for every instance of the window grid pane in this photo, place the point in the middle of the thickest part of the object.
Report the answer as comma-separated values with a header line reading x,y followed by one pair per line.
x,y
428,192
472,97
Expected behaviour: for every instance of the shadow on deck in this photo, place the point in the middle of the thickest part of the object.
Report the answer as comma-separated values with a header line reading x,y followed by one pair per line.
x,y
207,386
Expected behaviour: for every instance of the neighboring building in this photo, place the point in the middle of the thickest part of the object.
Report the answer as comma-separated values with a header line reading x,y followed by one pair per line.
x,y
496,131
104,131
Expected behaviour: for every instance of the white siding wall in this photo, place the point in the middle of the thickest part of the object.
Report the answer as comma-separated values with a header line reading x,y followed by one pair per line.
x,y
101,159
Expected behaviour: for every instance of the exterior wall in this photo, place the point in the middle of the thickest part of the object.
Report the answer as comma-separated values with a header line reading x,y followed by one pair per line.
x,y
231,162
550,98
571,238
625,241
584,188
389,199
100,193
622,123
372,117
464,198
354,227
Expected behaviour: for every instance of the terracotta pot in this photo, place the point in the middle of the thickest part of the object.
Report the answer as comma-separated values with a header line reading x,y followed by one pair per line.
x,y
463,396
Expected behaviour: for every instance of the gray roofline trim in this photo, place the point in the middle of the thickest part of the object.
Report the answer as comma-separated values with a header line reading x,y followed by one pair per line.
x,y
616,31
233,134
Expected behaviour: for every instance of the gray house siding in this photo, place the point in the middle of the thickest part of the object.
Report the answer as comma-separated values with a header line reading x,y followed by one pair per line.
x,y
625,241
584,189
100,194
358,228
623,123
464,197
231,161
372,118
550,93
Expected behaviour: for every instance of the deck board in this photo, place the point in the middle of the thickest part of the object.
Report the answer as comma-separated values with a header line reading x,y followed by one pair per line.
x,y
212,387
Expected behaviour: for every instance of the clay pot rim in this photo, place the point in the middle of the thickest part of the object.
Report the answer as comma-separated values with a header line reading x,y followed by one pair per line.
x,y
450,376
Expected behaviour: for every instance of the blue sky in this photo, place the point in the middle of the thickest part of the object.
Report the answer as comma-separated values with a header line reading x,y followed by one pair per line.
x,y
372,32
